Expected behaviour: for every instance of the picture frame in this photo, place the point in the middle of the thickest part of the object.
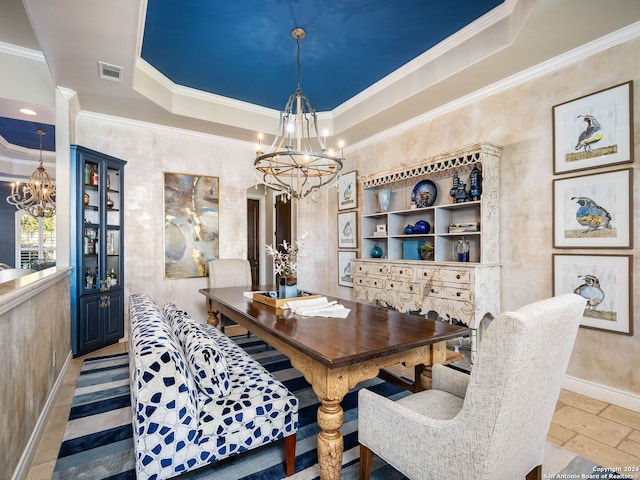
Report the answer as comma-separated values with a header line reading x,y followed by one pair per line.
x,y
605,280
345,277
594,210
594,130
191,226
348,230
348,191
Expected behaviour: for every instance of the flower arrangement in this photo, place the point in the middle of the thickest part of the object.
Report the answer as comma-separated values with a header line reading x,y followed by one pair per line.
x,y
286,260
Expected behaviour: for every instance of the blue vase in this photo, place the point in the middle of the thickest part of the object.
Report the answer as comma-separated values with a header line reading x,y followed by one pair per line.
x,y
288,287
422,227
376,251
475,181
408,230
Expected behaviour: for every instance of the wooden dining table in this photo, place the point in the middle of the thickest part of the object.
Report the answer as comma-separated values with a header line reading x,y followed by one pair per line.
x,y
335,354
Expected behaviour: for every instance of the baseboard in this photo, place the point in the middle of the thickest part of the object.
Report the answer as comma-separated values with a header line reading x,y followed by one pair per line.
x,y
22,469
614,396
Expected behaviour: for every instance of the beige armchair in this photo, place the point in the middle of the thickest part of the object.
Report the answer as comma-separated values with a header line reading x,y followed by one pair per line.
x,y
227,273
491,424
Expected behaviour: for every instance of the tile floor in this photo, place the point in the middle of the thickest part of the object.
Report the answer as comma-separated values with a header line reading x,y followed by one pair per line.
x,y
603,433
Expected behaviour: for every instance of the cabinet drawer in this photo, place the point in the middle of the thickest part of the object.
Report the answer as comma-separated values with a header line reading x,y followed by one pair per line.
x,y
401,272
371,269
403,286
449,291
369,282
424,274
454,276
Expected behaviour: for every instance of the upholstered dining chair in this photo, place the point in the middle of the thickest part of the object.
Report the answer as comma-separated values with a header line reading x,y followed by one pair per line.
x,y
231,272
491,424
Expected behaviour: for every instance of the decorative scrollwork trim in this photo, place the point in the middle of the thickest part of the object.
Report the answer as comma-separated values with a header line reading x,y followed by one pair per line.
x,y
458,158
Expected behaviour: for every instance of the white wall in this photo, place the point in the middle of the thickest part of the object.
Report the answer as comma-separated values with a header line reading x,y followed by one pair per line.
x,y
151,150
519,119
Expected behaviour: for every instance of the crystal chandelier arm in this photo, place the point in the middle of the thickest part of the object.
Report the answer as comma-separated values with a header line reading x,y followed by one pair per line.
x,y
38,194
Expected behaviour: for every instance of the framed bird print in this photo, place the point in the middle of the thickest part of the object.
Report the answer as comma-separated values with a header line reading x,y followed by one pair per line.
x,y
347,191
348,230
345,264
594,210
605,282
594,130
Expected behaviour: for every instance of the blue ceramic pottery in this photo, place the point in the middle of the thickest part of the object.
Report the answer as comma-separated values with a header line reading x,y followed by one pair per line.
x,y
422,227
288,287
376,251
408,230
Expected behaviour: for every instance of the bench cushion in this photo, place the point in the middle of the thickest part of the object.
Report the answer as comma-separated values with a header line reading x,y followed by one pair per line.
x,y
257,409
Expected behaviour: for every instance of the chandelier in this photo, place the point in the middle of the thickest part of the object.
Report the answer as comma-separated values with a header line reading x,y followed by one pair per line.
x,y
298,162
37,196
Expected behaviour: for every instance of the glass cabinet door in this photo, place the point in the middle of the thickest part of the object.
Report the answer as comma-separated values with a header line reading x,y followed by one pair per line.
x,y
91,226
113,246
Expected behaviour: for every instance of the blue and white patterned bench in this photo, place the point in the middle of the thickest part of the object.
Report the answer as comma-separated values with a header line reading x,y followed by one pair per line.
x,y
196,396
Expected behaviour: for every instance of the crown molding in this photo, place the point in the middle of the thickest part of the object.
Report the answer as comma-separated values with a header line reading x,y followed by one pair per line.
x,y
618,37
161,128
23,52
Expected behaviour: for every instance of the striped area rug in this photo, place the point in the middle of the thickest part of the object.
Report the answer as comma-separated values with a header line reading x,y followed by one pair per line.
x,y
98,442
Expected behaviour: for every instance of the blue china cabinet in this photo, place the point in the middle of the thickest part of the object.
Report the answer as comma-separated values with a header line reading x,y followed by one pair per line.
x,y
97,286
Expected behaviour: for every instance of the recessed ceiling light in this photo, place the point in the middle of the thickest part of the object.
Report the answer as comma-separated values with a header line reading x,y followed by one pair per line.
x,y
27,111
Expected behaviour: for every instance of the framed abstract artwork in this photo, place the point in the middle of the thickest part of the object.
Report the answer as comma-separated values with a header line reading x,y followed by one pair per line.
x,y
605,282
593,211
191,208
594,130
347,191
348,230
345,277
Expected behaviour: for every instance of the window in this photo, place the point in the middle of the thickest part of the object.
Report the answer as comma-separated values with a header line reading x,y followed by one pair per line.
x,y
35,241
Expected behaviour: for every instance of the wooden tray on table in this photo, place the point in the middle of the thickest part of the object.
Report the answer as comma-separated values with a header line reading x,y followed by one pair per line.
x,y
275,302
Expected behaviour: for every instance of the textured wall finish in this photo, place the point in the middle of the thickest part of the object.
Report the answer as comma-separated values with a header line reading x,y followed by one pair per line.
x,y
518,119
149,151
34,323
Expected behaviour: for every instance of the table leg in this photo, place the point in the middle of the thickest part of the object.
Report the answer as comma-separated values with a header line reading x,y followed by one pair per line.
x,y
330,442
213,317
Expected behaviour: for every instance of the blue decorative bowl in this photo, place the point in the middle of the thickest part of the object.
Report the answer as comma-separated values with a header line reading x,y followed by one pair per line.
x,y
421,227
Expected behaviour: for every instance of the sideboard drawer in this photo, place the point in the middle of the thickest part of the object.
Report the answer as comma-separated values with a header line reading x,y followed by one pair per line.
x,y
454,276
404,286
401,271
369,282
450,291
372,269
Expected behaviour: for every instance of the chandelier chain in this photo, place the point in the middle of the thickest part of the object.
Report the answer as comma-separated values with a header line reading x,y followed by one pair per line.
x,y
298,162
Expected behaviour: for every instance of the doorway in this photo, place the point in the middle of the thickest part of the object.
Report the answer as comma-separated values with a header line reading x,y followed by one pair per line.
x,y
253,239
283,219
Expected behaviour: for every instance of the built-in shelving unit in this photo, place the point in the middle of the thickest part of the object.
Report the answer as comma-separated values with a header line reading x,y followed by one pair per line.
x,y
458,291
97,295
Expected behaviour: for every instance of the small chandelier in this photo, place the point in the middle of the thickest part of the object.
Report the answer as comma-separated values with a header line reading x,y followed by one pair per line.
x,y
38,194
298,162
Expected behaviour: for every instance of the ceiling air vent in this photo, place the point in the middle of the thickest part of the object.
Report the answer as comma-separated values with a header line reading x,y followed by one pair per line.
x,y
112,73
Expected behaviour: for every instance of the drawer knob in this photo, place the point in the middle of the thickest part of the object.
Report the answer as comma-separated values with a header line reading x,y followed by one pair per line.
x,y
424,274
458,276
458,294
392,285
375,283
400,272
411,288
